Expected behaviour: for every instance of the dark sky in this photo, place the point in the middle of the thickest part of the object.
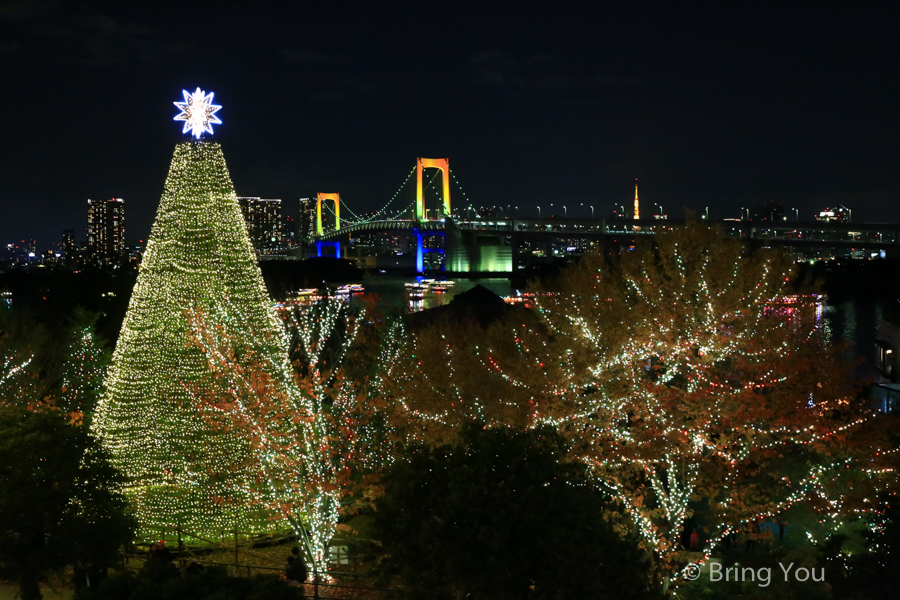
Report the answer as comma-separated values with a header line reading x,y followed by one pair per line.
x,y
721,104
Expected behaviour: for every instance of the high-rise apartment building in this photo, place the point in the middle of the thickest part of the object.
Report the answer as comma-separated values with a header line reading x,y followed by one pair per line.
x,y
69,249
306,225
106,231
263,218
288,231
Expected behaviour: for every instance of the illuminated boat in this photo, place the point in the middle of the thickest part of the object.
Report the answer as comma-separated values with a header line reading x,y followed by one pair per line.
x,y
354,288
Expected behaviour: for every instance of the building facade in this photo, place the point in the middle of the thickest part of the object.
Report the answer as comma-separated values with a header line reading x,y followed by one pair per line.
x,y
106,232
306,224
264,225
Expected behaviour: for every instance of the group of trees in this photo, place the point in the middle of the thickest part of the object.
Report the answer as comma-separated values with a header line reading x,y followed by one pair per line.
x,y
59,498
686,386
691,378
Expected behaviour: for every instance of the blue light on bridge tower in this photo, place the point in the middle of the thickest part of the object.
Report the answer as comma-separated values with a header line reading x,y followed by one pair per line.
x,y
421,250
420,253
335,245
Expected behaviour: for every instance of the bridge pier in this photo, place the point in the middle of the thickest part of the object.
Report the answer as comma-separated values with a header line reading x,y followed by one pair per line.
x,y
335,245
421,250
420,253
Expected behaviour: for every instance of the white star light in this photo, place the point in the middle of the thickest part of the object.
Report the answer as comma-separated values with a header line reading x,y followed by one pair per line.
x,y
198,112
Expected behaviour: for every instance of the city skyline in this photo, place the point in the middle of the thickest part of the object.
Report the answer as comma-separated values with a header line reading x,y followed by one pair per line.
x,y
556,105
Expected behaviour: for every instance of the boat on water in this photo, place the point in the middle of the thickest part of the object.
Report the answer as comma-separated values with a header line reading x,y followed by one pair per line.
x,y
432,284
353,288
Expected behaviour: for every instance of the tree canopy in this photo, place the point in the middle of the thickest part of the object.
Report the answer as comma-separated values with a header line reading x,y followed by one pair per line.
x,y
501,514
690,374
59,498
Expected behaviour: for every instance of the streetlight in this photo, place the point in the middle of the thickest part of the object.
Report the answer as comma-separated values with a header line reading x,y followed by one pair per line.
x,y
565,212
707,214
592,211
742,213
539,211
796,214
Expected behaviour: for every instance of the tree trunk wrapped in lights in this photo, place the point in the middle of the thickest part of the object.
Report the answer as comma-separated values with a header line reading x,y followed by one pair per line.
x,y
199,258
313,440
686,378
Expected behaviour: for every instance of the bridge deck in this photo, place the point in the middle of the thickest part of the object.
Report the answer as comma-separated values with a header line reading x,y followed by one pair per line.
x,y
784,234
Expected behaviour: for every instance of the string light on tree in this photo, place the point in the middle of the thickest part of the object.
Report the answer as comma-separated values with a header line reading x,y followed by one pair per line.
x,y
199,259
680,371
313,439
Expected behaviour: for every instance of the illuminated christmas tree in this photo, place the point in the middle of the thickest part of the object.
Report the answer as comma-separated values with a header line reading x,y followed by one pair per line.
x,y
199,261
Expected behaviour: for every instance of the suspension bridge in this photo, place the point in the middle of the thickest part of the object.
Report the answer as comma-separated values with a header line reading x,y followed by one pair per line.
x,y
487,244
414,219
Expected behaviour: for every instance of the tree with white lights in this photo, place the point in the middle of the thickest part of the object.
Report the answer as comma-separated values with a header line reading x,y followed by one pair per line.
x,y
687,377
314,442
199,259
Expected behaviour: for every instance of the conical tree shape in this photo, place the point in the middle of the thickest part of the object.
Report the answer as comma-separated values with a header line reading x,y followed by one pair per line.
x,y
198,261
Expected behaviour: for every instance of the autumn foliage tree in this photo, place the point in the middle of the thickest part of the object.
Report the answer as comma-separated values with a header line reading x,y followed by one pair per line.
x,y
689,376
307,438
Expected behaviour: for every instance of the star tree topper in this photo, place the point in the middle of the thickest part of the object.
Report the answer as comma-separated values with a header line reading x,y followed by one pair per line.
x,y
198,112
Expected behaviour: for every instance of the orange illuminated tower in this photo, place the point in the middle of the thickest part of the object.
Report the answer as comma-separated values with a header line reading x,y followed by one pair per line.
x,y
637,209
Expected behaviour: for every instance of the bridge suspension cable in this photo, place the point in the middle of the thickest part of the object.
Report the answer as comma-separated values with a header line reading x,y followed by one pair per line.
x,y
368,218
465,196
394,197
386,213
399,214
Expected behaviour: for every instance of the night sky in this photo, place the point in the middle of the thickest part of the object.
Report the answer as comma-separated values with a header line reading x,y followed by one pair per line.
x,y
709,105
